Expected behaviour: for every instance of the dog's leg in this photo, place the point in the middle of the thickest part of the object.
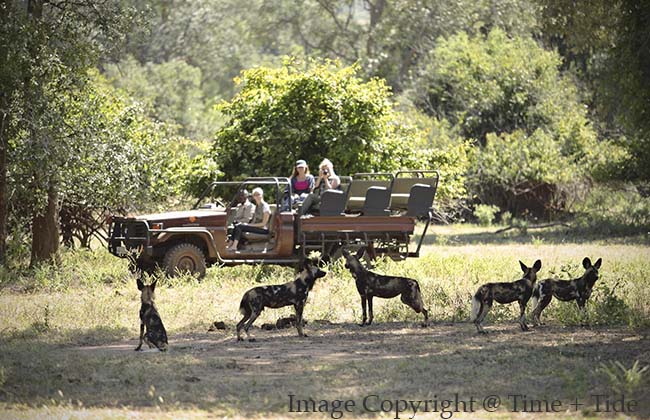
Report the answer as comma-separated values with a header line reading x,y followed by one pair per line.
x,y
247,313
141,337
486,305
299,307
542,303
256,312
413,298
363,309
522,315
370,313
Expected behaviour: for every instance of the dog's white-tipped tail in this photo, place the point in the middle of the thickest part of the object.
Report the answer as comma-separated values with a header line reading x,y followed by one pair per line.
x,y
534,300
476,308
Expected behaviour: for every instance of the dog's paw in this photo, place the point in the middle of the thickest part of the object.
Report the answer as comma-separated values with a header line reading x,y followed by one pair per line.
x,y
252,340
139,348
240,339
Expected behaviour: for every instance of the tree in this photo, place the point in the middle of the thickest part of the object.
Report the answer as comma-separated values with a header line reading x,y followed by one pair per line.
x,y
325,110
53,43
607,45
507,94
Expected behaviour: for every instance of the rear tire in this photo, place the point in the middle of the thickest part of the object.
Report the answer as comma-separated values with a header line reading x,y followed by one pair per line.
x,y
184,258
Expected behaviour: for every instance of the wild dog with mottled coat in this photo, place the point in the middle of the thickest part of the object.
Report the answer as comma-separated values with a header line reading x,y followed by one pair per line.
x,y
566,290
520,291
371,285
292,293
150,319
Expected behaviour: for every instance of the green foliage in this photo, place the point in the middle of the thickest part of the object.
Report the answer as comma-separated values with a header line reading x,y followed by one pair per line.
x,y
170,92
496,84
439,146
485,213
622,380
323,111
507,93
605,44
614,209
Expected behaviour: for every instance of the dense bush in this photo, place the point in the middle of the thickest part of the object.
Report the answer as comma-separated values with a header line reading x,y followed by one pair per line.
x,y
507,94
321,111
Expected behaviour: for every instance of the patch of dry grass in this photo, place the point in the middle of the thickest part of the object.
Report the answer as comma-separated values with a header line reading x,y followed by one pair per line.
x,y
72,330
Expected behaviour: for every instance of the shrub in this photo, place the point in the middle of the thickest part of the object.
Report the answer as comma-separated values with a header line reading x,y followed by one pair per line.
x,y
325,110
485,213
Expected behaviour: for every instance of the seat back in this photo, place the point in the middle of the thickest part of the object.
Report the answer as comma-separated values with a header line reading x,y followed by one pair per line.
x,y
420,200
402,186
376,202
259,237
360,184
332,203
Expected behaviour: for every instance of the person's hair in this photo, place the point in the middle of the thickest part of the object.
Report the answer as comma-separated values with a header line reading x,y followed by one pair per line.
x,y
328,163
258,190
243,192
295,171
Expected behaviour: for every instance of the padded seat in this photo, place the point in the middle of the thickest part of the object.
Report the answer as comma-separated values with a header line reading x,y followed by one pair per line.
x,y
332,203
399,197
358,191
376,202
262,237
420,200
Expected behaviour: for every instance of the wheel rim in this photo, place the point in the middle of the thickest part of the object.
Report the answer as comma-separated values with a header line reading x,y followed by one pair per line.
x,y
186,263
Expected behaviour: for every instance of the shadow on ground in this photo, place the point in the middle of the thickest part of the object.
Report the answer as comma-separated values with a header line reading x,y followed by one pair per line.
x,y
213,372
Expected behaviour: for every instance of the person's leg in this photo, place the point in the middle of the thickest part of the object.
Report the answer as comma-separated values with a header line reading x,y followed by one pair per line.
x,y
236,236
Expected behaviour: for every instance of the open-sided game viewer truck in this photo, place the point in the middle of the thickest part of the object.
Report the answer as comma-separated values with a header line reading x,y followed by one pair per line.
x,y
373,210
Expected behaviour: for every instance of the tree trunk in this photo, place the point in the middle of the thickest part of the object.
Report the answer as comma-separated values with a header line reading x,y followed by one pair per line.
x,y
4,143
3,187
45,231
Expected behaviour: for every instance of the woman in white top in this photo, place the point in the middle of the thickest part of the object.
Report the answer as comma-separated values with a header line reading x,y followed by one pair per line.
x,y
327,180
259,223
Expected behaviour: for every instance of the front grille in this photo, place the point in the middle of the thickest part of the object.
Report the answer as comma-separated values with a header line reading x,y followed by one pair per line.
x,y
128,234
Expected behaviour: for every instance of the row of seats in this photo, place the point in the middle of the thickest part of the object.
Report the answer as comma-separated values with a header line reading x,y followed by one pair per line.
x,y
414,193
373,197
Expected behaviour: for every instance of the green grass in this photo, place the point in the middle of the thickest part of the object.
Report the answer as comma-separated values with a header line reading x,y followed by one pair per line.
x,y
71,329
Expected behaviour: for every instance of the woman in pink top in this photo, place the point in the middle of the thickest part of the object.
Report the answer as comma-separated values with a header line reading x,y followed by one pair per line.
x,y
302,182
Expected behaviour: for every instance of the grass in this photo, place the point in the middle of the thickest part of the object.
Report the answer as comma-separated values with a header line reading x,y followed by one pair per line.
x,y
66,334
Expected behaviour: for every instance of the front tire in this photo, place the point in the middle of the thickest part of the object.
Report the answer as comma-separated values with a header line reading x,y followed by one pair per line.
x,y
184,258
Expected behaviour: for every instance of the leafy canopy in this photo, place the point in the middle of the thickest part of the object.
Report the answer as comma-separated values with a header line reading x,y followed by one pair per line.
x,y
310,111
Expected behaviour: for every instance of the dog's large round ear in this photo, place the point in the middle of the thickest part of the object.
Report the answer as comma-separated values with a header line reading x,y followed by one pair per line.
x,y
598,262
523,266
586,263
153,285
538,265
139,283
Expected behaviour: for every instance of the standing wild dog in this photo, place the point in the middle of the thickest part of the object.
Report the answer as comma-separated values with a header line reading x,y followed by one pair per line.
x,y
149,318
370,284
276,296
565,290
519,291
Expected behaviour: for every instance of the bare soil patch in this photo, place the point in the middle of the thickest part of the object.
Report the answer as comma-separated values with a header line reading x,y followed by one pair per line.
x,y
212,374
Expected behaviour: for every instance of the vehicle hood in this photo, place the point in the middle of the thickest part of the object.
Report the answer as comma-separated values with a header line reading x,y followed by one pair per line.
x,y
176,215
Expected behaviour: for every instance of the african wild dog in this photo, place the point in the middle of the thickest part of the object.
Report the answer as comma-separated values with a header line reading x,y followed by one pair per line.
x,y
149,318
292,293
565,290
519,291
370,284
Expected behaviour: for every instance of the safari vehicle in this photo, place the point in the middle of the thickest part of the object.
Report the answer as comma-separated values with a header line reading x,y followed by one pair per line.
x,y
377,211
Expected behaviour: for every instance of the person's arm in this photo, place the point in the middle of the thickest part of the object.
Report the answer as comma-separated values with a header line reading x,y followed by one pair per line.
x,y
336,181
311,183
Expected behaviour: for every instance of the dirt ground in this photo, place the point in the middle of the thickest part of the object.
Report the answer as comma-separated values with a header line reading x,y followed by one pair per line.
x,y
211,375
